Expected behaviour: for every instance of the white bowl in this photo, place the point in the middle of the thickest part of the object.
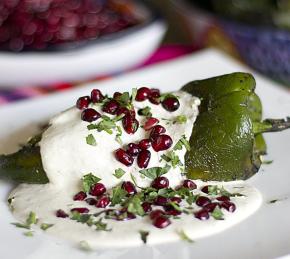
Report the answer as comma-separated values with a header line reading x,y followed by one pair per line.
x,y
121,51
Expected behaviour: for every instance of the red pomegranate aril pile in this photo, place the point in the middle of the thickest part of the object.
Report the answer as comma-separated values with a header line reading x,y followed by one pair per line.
x,y
160,200
133,149
96,96
211,206
160,182
223,198
229,206
143,158
161,222
162,142
90,115
80,210
176,199
83,102
189,184
111,107
145,144
80,196
129,187
150,123
154,96
130,124
156,131
98,189
202,214
170,104
123,157
202,201
156,213
142,94
61,214
103,202
91,201
146,207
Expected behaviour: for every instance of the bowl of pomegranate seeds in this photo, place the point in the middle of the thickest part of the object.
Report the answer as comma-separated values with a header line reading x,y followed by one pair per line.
x,y
66,40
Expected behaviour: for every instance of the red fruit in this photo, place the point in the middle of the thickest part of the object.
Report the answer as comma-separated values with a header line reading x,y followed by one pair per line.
x,y
205,189
189,184
91,201
143,158
142,94
161,222
202,201
156,131
146,206
102,202
125,111
130,124
145,144
160,200
223,198
171,104
176,199
96,96
61,214
117,95
211,206
98,189
111,107
202,214
156,213
154,96
129,187
161,142
80,196
83,102
171,211
150,123
133,149
80,210
229,206
160,182
90,115
123,157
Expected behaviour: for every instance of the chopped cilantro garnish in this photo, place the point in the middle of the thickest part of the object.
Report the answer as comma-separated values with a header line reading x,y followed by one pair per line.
x,y
144,235
217,214
146,111
82,218
134,205
119,173
172,158
182,142
90,139
88,181
31,219
180,119
119,134
118,195
101,226
154,172
45,226
21,225
184,236
134,93
28,233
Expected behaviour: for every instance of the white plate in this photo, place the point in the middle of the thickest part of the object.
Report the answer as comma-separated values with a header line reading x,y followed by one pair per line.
x,y
266,234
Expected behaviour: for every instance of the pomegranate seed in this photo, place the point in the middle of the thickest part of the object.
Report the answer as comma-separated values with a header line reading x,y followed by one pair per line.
x,y
211,206
96,96
154,96
229,206
61,214
90,115
171,104
143,158
123,157
91,201
130,124
146,206
161,143
125,111
103,202
98,189
156,131
133,149
80,210
125,215
161,222
202,214
202,201
160,182
156,213
205,189
171,211
142,94
176,199
189,184
223,198
150,123
117,95
145,143
80,196
160,200
83,102
111,107
129,187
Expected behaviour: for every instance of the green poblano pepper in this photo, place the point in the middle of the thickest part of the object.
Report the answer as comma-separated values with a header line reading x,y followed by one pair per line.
x,y
226,142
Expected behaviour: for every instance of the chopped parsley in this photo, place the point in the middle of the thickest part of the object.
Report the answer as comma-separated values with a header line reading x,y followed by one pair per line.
x,y
88,181
101,226
172,158
184,236
144,235
28,233
119,134
146,111
155,172
119,173
31,220
134,205
217,214
180,119
90,139
182,142
118,195
45,226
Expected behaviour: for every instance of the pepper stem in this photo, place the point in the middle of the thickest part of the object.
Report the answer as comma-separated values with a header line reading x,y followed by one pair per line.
x,y
271,125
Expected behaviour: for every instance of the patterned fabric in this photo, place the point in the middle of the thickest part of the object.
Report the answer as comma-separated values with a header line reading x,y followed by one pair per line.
x,y
166,52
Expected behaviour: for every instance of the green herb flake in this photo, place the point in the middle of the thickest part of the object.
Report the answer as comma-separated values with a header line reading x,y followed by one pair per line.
x,y
146,111
144,235
133,178
118,135
119,173
134,206
134,93
88,181
267,162
45,226
182,142
28,234
101,226
31,218
172,158
118,195
20,225
155,172
82,218
180,119
217,214
90,139
184,236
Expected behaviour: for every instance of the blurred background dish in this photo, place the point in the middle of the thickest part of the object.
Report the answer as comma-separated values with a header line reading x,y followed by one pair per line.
x,y
43,42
